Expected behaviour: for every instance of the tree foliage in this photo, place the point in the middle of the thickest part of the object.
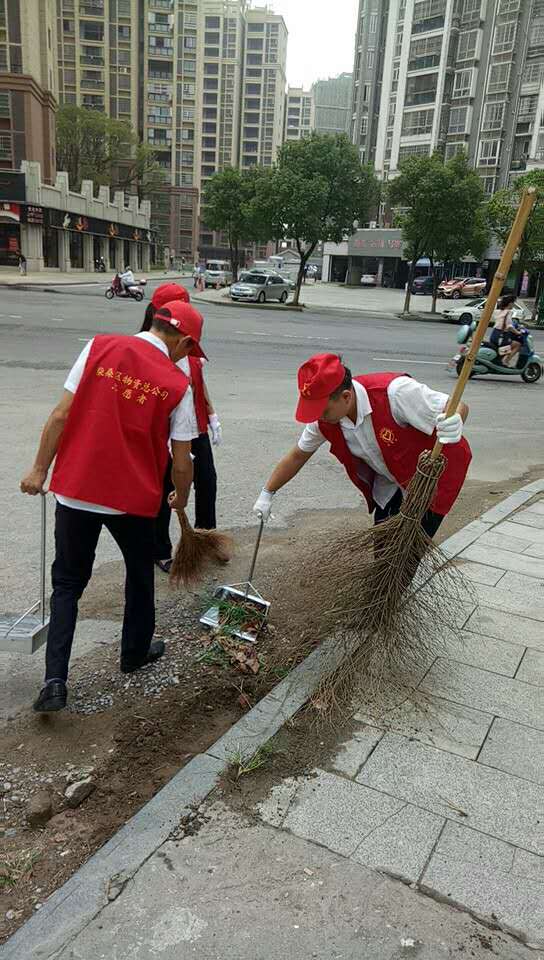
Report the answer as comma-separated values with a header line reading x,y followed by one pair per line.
x,y
230,205
316,191
440,211
500,212
92,146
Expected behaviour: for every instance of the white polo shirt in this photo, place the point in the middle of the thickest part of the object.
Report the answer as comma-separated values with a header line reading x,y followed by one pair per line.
x,y
412,404
183,425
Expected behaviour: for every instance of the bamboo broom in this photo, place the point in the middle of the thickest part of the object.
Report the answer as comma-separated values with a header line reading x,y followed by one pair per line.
x,y
196,552
391,629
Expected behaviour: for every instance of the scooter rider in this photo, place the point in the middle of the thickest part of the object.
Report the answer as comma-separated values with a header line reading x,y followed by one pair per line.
x,y
505,333
127,279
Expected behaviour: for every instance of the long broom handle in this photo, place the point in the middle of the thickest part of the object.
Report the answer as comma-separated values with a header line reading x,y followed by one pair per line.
x,y
524,211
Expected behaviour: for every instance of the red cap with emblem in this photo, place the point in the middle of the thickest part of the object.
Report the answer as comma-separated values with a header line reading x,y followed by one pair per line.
x,y
187,320
317,379
167,292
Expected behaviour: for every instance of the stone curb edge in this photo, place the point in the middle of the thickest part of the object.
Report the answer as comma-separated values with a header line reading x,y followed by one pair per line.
x,y
71,908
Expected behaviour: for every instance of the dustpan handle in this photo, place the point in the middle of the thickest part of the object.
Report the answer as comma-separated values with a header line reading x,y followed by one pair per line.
x,y
42,555
524,211
255,553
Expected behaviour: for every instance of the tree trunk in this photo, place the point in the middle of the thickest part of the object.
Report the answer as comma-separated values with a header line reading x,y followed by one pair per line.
x,y
435,285
234,258
406,308
300,278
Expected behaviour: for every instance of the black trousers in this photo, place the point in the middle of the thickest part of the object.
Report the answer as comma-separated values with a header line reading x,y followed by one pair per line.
x,y
76,537
205,484
430,522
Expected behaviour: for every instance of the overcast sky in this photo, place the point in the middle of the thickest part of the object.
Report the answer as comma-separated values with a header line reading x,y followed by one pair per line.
x,y
321,37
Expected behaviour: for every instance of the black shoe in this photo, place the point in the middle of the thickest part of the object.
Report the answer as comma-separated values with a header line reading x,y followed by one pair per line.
x,y
52,697
155,652
164,565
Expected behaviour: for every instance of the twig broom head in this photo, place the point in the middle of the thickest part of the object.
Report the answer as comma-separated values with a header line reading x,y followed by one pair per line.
x,y
196,552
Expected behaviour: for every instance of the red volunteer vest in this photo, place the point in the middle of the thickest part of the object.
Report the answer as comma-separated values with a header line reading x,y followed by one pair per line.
x,y
197,383
400,448
114,447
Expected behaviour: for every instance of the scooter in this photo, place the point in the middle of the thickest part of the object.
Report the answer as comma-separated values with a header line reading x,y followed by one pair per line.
x,y
490,358
100,265
116,289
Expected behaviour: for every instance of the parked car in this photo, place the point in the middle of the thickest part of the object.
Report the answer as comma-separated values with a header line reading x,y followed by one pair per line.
x,y
260,287
423,285
459,287
368,280
472,310
218,272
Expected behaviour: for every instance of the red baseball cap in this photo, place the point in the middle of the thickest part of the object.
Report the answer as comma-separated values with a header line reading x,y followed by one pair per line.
x,y
187,320
317,379
167,293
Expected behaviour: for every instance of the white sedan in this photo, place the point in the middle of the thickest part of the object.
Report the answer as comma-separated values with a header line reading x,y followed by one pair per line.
x,y
368,280
472,310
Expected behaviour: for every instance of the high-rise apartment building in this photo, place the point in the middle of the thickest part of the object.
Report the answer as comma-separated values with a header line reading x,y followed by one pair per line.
x,y
299,113
28,84
332,103
455,75
203,82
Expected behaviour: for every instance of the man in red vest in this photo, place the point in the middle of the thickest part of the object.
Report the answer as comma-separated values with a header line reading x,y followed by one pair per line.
x,y
123,400
377,425
205,476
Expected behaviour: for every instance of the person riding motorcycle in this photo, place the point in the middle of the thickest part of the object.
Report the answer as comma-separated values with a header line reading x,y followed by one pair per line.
x,y
505,332
127,278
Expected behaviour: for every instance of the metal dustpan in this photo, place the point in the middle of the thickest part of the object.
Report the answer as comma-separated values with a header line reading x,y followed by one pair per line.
x,y
28,632
240,593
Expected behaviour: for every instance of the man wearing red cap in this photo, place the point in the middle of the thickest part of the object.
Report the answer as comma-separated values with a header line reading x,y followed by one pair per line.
x,y
123,400
377,425
205,476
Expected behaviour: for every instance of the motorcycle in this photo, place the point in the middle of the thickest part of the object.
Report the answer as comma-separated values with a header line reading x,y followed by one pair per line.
x,y
489,357
100,265
134,292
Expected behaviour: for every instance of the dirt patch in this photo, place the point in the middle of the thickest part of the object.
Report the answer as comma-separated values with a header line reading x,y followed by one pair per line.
x,y
130,735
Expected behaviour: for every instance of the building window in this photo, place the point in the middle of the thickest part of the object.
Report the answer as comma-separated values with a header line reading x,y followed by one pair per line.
x,y
471,8
458,120
424,53
493,116
488,183
462,86
213,23
415,150
370,58
417,122
452,149
466,49
533,72
498,78
505,34
421,89
373,23
509,6
91,30
536,34
527,107
428,15
489,153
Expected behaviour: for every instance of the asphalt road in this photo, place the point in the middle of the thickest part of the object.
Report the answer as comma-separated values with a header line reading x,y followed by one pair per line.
x,y
252,378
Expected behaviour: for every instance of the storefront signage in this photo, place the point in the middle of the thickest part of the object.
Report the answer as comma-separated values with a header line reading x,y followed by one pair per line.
x,y
12,186
101,228
33,214
375,243
10,213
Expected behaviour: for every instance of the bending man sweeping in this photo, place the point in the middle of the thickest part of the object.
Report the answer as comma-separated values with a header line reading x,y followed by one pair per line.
x,y
377,425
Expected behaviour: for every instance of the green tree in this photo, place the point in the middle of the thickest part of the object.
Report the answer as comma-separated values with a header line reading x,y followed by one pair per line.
x,y
501,210
92,146
314,194
440,210
230,206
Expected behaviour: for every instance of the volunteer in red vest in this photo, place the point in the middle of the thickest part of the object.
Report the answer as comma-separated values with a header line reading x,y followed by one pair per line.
x,y
124,399
377,425
205,477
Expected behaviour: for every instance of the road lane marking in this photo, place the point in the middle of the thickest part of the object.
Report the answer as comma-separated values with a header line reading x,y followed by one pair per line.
x,y
57,320
284,336
15,316
84,339
432,363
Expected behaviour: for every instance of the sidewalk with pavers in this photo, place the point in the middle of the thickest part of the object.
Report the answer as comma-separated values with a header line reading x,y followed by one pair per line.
x,y
56,278
437,803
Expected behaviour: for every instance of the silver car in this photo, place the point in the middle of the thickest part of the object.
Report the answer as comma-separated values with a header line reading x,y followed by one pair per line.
x,y
260,287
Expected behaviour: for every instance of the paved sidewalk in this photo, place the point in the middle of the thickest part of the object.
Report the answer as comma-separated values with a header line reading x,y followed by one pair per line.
x,y
444,796
54,278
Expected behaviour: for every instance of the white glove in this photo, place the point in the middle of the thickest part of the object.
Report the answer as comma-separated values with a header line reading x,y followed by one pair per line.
x,y
449,429
263,505
215,427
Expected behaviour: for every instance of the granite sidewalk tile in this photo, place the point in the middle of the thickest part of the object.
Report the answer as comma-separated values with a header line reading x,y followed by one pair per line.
x,y
493,802
479,874
402,845
499,656
490,622
534,550
356,751
515,749
503,538
491,692
528,519
338,813
517,531
457,729
505,560
479,572
531,668
524,596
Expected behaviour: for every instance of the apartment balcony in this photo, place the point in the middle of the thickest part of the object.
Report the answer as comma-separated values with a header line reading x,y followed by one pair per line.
x,y
160,29
92,8
520,164
92,61
162,53
92,84
155,121
161,4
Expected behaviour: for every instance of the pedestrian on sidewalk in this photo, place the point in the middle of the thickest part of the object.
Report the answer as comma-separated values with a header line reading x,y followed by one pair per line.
x,y
124,399
205,476
377,425
21,259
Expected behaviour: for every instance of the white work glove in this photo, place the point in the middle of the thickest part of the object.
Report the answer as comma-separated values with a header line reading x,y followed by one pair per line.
x,y
263,505
449,429
215,427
